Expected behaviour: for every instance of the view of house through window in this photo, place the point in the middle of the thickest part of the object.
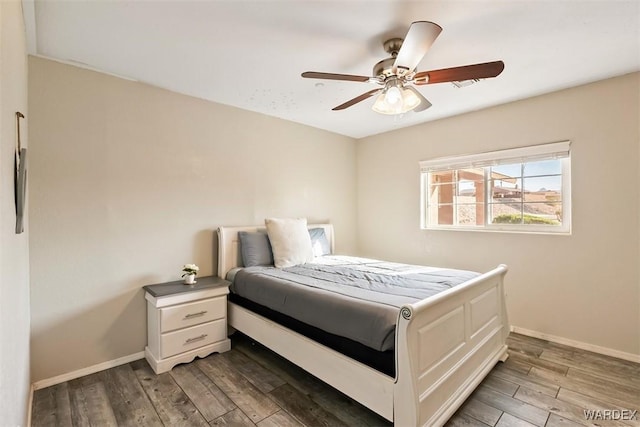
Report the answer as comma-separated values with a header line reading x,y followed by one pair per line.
x,y
519,190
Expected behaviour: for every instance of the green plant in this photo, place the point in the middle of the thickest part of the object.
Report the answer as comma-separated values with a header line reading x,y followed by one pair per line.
x,y
190,269
526,219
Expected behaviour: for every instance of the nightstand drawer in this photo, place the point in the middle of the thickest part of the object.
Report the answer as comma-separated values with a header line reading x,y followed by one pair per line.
x,y
185,321
173,343
195,313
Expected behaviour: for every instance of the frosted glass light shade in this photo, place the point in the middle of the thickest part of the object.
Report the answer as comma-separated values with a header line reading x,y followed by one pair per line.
x,y
407,102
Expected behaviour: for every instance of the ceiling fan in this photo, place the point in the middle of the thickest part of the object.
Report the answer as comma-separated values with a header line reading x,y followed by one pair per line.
x,y
397,74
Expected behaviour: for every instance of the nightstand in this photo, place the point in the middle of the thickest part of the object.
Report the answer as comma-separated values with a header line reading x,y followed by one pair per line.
x,y
185,321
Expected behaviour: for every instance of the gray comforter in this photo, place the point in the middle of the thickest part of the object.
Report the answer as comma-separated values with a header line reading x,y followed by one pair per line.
x,y
356,298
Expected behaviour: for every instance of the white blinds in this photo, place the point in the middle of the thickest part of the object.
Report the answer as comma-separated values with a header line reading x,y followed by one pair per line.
x,y
555,150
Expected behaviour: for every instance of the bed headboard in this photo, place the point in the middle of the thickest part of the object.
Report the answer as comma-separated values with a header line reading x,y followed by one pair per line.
x,y
229,250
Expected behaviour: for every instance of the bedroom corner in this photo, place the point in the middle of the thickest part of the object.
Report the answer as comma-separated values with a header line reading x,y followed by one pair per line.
x,y
14,248
129,182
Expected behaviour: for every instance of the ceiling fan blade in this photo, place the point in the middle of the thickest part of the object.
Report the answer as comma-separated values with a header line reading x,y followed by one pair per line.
x,y
424,103
332,76
458,74
357,99
417,42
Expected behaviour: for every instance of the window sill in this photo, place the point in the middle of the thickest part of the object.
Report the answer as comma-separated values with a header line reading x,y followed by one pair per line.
x,y
563,232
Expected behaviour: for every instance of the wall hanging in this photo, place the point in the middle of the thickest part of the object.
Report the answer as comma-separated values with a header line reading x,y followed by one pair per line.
x,y
20,186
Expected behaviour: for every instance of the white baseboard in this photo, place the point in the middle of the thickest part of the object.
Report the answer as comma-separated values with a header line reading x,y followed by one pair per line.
x,y
87,371
578,344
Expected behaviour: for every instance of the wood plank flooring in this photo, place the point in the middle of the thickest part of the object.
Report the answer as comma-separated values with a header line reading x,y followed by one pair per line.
x,y
541,384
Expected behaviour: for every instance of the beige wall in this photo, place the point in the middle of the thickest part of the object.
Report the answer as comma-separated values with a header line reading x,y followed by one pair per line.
x,y
128,183
584,287
14,249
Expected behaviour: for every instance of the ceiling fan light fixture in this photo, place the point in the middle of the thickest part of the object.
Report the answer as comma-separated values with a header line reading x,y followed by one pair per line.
x,y
395,99
410,99
393,96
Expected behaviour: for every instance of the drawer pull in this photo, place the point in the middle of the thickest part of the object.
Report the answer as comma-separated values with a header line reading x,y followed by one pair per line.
x,y
191,315
198,338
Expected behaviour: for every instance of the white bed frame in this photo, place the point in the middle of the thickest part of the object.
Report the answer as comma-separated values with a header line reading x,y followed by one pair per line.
x,y
445,345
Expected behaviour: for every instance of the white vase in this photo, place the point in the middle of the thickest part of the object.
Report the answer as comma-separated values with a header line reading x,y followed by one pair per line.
x,y
189,279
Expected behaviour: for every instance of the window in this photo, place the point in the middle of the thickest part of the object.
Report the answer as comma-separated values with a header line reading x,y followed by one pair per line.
x,y
521,190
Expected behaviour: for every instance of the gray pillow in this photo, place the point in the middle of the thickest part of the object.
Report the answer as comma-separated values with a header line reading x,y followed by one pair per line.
x,y
255,248
319,242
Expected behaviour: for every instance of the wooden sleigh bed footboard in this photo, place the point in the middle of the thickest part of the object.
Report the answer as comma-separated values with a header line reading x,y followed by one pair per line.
x,y
445,346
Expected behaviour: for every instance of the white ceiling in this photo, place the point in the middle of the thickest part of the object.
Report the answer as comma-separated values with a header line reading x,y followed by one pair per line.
x,y
249,54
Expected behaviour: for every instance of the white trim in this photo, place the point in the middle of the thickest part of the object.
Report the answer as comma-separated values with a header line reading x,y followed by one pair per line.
x,y
554,150
578,344
87,371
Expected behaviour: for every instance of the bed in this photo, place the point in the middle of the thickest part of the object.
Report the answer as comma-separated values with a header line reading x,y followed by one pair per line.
x,y
443,345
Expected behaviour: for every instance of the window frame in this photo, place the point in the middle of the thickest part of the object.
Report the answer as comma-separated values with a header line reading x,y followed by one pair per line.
x,y
553,151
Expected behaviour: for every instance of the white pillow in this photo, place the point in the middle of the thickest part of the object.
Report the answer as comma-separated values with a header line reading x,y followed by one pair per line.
x,y
290,241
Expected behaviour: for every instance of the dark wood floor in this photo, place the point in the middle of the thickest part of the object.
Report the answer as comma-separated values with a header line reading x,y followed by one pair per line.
x,y
541,384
